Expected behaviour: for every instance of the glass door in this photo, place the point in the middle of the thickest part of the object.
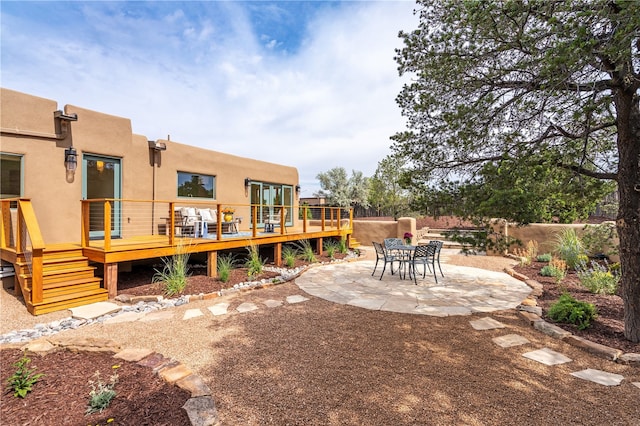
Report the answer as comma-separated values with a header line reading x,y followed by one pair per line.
x,y
101,178
268,198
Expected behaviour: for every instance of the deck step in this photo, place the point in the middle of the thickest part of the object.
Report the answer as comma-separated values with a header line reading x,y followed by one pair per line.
x,y
64,302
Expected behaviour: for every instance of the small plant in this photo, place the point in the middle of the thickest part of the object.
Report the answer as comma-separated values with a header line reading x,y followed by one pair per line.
x,y
407,237
331,247
570,247
225,266
254,264
544,257
23,379
571,311
342,246
598,278
175,272
306,251
289,255
101,393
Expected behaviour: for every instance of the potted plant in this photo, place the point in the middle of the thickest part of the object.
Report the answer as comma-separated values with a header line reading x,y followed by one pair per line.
x,y
407,237
227,213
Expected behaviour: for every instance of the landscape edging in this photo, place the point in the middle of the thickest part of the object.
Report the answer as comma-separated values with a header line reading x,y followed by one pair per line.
x,y
550,329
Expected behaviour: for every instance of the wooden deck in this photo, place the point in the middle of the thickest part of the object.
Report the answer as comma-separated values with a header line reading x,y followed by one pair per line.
x,y
59,276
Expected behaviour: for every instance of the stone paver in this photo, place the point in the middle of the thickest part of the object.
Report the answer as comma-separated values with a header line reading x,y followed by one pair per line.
x,y
547,356
219,308
157,316
636,384
486,323
296,298
192,313
94,310
125,317
599,376
462,291
272,303
510,340
246,307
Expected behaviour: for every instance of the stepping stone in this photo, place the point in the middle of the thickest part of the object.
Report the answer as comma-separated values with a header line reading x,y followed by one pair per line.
x,y
157,316
636,384
125,317
296,299
273,303
486,323
94,310
192,313
547,356
510,340
247,307
600,377
219,308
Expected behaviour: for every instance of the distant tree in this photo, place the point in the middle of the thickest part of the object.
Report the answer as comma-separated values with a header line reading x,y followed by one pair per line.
x,y
341,191
386,191
553,83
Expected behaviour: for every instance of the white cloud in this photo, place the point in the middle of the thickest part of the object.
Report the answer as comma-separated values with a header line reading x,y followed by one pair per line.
x,y
209,80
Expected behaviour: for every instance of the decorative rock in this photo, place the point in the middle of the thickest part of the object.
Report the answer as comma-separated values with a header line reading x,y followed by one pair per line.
x,y
173,374
124,298
529,302
201,411
531,318
551,330
133,355
88,344
537,288
137,299
39,345
536,310
195,385
630,359
595,348
124,317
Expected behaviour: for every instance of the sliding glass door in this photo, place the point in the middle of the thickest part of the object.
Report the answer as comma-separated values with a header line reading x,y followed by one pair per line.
x,y
101,178
269,198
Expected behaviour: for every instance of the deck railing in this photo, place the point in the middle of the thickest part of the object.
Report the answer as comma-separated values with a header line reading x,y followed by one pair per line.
x,y
22,235
106,221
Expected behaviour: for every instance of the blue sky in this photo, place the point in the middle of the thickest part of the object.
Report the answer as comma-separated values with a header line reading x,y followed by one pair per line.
x,y
306,84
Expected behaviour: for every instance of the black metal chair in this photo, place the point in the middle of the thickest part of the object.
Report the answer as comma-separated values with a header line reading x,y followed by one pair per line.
x,y
438,245
386,256
422,255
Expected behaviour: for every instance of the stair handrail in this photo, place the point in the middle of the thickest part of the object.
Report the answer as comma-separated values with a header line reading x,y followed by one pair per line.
x,y
28,241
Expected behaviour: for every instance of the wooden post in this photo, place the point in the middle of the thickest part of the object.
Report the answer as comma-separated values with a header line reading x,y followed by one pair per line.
x,y
84,224
111,279
338,218
212,264
254,220
172,224
304,219
319,246
107,225
277,254
322,213
5,229
36,276
219,222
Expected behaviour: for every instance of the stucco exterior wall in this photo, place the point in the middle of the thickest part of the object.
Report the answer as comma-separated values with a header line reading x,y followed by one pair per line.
x,y
29,129
367,231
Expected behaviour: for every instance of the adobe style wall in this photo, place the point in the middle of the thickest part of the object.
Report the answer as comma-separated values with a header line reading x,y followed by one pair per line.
x,y
367,231
28,129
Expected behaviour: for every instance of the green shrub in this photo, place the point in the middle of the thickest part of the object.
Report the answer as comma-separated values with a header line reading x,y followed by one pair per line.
x,y
289,255
175,272
552,271
23,379
571,311
599,238
570,248
544,257
342,246
254,264
101,393
306,251
598,278
331,247
226,263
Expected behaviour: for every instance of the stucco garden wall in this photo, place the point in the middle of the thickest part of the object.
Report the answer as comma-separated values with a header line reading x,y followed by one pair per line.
x,y
367,231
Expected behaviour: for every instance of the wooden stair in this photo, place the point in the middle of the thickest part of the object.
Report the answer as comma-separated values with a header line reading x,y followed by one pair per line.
x,y
67,281
353,243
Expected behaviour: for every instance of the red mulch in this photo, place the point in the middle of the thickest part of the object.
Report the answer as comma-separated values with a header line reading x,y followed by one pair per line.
x,y
61,396
607,329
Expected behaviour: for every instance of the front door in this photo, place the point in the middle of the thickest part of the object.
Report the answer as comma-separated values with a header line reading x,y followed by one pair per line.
x,y
101,179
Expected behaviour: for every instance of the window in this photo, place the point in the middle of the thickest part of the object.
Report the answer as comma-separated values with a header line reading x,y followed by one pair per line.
x,y
196,185
10,175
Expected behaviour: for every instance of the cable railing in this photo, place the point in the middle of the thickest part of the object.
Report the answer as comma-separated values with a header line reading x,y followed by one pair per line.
x,y
109,223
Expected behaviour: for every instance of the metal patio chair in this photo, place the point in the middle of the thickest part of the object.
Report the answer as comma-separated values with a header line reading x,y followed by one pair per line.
x,y
386,256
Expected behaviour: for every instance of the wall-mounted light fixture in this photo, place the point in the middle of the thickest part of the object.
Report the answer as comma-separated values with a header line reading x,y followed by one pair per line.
x,y
70,159
157,146
66,117
297,188
247,182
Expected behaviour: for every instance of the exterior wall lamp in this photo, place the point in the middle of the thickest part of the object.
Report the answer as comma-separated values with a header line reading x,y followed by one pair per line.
x,y
247,182
297,189
70,159
157,146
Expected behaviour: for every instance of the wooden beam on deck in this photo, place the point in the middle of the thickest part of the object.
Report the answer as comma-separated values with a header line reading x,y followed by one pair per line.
x,y
277,254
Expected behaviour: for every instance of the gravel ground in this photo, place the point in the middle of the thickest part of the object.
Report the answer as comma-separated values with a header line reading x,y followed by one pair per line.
x,y
318,362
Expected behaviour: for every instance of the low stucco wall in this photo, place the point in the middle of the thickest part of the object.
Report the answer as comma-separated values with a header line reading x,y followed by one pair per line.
x,y
367,231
